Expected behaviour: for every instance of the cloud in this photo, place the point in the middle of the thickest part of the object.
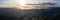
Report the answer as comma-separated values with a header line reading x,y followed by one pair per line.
x,y
7,1
49,0
29,1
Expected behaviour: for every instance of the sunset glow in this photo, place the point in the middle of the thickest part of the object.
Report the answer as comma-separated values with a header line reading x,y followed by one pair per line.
x,y
22,2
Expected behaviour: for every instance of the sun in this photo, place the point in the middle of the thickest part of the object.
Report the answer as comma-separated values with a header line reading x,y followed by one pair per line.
x,y
22,2
23,5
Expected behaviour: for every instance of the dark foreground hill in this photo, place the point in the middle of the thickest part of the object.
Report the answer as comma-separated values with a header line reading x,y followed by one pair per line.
x,y
35,14
43,14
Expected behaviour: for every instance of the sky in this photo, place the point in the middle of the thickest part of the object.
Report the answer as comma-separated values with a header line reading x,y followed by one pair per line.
x,y
5,2
27,1
56,1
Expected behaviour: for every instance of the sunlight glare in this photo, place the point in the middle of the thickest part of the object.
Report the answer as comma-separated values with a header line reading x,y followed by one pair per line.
x,y
22,2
